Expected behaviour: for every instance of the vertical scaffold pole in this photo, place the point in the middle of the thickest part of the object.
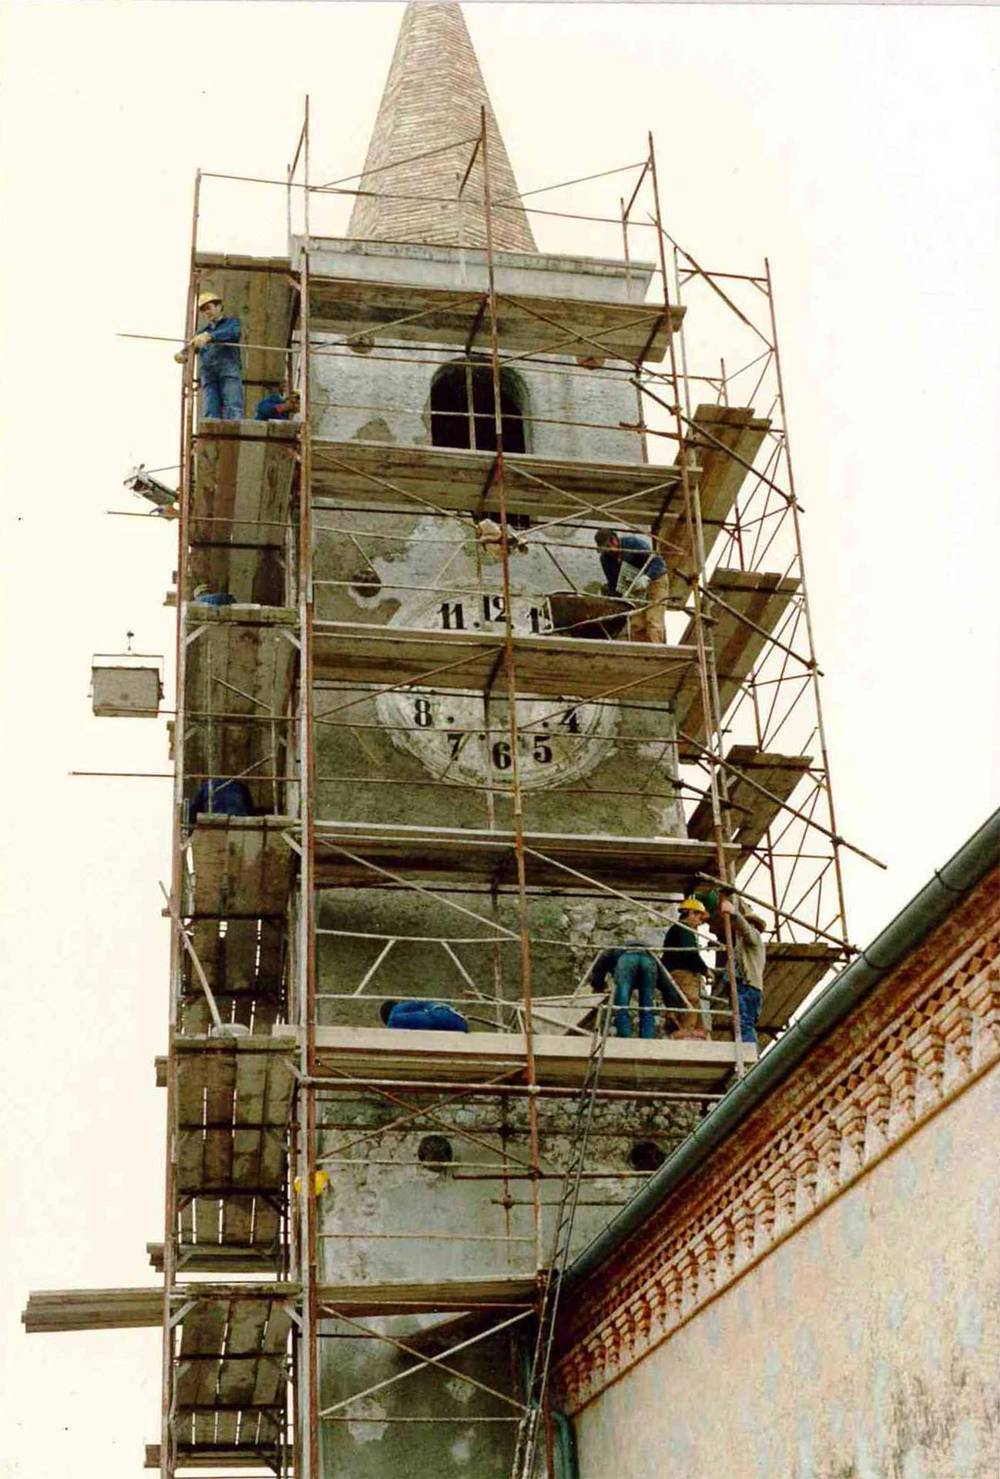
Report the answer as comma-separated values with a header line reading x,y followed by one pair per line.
x,y
168,1447
813,672
511,682
708,688
307,1451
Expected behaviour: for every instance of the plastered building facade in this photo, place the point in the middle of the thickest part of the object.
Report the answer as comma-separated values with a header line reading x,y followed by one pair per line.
x,y
819,1297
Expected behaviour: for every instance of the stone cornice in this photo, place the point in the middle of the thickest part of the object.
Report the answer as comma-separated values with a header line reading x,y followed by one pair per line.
x,y
920,1038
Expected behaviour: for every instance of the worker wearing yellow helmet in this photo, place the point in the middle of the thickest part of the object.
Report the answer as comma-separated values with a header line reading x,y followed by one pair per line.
x,y
683,963
217,344
321,1181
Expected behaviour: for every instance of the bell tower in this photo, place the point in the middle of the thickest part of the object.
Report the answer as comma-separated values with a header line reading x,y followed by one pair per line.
x,y
489,653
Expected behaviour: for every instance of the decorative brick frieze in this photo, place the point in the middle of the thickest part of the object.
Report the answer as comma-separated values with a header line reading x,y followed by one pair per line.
x,y
918,1036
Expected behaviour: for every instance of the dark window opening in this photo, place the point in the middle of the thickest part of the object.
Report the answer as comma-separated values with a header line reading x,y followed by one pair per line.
x,y
451,423
435,1151
646,1155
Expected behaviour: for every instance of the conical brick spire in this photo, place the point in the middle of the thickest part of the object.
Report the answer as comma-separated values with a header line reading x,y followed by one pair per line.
x,y
432,99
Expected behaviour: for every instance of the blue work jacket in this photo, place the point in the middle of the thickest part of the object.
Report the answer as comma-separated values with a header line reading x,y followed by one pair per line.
x,y
221,797
222,355
267,409
427,1016
636,551
213,598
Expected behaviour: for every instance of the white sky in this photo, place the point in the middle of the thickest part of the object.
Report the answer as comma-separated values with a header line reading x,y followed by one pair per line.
x,y
855,146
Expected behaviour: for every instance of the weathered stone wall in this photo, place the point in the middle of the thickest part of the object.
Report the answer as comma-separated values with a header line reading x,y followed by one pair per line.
x,y
822,1300
468,1219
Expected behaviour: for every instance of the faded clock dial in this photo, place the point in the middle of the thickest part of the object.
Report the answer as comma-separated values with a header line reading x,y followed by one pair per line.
x,y
458,738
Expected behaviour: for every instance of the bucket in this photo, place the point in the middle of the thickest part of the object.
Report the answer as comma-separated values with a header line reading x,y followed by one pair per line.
x,y
588,616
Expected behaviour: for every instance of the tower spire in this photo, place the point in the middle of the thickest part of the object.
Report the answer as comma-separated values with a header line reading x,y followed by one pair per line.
x,y
433,99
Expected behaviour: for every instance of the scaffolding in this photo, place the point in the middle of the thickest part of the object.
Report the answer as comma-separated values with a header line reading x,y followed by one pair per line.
x,y
274,1092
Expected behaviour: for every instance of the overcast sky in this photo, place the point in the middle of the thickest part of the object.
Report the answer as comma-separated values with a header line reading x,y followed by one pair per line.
x,y
855,146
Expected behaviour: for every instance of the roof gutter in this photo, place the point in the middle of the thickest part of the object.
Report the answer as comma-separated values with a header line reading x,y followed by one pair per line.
x,y
905,933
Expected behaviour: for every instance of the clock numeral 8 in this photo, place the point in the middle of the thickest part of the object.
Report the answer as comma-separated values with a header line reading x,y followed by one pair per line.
x,y
422,713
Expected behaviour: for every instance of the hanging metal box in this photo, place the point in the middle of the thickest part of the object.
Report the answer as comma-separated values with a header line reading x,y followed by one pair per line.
x,y
126,692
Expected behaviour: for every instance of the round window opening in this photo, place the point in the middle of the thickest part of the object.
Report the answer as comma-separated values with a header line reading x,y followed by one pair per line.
x,y
646,1155
435,1151
366,581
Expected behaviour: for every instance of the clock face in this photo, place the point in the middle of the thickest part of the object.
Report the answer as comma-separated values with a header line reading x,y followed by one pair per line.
x,y
458,739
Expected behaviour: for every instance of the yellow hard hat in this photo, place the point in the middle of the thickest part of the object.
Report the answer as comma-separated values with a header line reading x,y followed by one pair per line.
x,y
206,298
321,1182
692,906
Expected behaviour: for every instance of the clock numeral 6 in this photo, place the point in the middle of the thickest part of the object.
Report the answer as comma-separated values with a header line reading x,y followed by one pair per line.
x,y
501,755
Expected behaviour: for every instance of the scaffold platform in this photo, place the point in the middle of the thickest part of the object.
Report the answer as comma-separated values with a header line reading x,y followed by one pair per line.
x,y
753,810
578,667
238,866
560,1060
361,854
397,312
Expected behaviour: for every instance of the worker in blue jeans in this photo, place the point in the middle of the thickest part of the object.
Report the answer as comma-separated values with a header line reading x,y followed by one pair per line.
x,y
220,375
749,959
633,968
420,1015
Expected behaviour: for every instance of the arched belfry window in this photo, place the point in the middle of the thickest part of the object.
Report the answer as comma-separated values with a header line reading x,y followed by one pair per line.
x,y
451,423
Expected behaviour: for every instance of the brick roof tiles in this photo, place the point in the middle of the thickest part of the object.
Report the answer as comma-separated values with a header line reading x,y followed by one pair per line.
x,y
432,98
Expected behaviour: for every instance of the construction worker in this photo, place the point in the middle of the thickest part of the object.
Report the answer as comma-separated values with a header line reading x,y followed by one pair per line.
x,y
749,956
219,370
205,596
278,406
636,551
422,1016
220,797
632,968
686,966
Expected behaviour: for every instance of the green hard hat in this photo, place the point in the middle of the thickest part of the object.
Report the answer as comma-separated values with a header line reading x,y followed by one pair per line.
x,y
709,897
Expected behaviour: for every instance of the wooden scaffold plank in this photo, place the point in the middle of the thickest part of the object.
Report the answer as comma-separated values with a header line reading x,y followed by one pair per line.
x,y
762,597
479,1057
460,480
752,813
239,866
350,854
527,324
356,652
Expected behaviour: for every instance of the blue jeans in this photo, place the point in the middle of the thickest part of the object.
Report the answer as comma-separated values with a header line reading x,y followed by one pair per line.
x,y
635,971
749,999
221,396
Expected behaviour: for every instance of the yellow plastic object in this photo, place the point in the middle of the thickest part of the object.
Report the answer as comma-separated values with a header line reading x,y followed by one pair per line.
x,y
206,297
692,906
321,1181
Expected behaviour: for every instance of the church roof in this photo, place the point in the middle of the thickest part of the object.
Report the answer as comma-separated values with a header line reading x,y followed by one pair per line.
x,y
432,100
